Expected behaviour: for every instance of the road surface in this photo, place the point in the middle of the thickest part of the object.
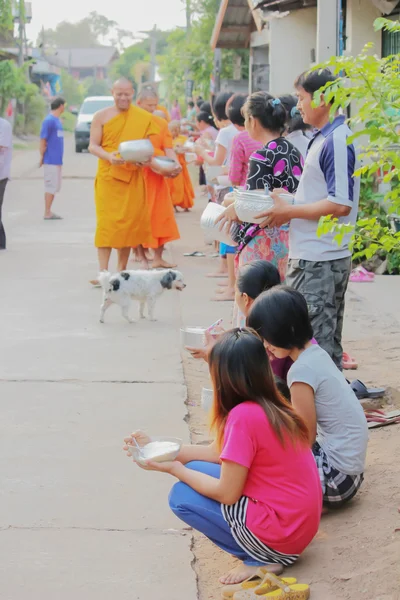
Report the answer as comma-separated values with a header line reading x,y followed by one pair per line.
x,y
78,519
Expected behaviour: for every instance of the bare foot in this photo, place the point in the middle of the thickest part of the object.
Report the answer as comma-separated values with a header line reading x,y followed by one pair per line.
x,y
222,284
95,282
243,572
224,295
144,264
162,264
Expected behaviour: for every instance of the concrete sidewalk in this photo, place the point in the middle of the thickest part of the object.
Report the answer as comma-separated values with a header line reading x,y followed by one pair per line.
x,y
79,520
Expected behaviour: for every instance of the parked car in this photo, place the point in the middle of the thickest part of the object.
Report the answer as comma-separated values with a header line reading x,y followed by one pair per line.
x,y
90,106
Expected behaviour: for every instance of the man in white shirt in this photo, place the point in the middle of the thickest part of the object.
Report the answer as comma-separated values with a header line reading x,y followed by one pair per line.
x,y
5,168
319,266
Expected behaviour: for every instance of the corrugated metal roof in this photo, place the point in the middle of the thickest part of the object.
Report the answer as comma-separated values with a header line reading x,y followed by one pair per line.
x,y
86,58
233,26
283,5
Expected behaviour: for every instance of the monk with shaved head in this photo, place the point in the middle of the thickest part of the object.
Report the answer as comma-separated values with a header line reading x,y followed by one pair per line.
x,y
122,209
163,225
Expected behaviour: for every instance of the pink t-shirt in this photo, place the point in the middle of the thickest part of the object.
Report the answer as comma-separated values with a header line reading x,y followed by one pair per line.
x,y
282,484
243,147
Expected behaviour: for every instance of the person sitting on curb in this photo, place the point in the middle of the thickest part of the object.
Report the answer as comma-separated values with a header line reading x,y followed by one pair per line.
x,y
338,430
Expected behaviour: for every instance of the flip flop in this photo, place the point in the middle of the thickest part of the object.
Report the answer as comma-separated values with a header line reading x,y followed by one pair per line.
x,y
361,275
256,582
361,390
282,591
52,218
196,253
349,363
378,418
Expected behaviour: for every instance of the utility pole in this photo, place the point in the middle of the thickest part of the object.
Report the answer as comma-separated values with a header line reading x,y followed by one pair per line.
x,y
188,10
153,54
21,29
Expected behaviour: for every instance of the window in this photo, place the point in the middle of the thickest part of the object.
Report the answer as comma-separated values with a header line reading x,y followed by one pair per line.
x,y
391,41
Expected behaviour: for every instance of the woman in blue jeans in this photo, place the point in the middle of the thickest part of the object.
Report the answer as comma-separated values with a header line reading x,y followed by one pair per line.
x,y
254,491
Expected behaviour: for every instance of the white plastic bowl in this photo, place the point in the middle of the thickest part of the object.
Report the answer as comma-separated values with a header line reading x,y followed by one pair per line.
x,y
136,150
207,398
193,336
190,157
159,449
248,206
212,229
212,173
224,180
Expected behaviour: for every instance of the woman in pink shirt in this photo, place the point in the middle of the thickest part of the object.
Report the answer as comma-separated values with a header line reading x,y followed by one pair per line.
x,y
243,145
255,491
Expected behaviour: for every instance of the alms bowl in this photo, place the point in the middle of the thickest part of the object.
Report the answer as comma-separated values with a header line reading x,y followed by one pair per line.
x,y
136,150
165,164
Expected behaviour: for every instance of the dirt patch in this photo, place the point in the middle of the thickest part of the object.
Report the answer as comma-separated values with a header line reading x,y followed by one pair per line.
x,y
357,551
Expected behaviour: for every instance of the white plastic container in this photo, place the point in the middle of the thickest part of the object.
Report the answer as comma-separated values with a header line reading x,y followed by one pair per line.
x,y
190,157
193,336
212,230
212,173
159,449
248,204
207,399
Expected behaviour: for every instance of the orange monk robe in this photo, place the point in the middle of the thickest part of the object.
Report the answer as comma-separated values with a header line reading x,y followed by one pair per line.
x,y
165,111
123,216
163,225
181,188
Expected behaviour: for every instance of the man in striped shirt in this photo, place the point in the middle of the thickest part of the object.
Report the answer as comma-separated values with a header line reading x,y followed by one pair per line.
x,y
319,266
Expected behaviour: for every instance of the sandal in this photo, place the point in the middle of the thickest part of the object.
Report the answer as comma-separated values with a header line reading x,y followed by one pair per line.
x,y
378,418
361,275
283,591
258,583
361,390
349,363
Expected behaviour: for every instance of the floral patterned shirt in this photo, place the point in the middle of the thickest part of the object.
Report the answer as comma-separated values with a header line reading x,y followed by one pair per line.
x,y
278,165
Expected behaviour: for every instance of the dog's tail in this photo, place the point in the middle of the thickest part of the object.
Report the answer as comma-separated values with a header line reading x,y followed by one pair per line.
x,y
104,280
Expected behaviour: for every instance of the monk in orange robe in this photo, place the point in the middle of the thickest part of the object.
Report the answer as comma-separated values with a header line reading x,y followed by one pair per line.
x,y
164,110
181,188
122,210
163,225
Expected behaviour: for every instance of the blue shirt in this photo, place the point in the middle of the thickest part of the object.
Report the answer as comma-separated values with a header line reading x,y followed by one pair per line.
x,y
328,174
52,131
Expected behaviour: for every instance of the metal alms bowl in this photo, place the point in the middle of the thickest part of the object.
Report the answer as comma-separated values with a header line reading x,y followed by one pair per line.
x,y
136,150
165,164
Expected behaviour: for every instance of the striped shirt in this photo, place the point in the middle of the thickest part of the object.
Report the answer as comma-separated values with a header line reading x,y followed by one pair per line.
x,y
243,147
328,174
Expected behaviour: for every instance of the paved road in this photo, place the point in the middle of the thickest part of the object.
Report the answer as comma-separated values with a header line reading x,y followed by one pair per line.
x,y
78,520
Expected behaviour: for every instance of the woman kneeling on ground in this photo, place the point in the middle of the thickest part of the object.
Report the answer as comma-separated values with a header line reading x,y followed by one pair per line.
x,y
338,431
255,491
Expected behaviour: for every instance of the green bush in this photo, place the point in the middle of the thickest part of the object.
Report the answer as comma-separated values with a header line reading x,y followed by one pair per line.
x,y
35,110
68,120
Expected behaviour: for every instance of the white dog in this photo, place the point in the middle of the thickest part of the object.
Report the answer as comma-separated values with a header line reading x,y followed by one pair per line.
x,y
144,286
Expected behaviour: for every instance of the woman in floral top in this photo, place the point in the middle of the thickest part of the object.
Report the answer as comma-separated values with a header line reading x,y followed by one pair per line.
x,y
277,165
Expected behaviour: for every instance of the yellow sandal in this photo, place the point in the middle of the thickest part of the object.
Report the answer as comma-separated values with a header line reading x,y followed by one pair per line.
x,y
254,587
280,589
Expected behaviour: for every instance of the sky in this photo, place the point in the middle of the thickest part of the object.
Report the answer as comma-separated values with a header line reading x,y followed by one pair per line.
x,y
134,15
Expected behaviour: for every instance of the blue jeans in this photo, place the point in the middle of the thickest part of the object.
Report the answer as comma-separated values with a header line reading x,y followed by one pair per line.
x,y
205,514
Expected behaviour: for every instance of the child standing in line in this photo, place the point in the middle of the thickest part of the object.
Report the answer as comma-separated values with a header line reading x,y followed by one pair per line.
x,y
338,431
255,490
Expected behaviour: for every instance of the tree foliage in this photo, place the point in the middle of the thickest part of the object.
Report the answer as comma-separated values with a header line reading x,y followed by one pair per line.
x,y
370,85
191,52
94,30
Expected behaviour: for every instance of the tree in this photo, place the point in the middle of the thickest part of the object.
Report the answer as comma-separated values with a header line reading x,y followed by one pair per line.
x,y
72,90
6,20
89,32
12,82
371,83
96,87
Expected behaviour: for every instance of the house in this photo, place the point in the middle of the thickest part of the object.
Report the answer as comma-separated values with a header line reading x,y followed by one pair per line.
x,y
88,62
286,37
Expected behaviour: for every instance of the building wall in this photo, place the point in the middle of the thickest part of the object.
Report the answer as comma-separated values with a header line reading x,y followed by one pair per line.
x,y
292,40
361,15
